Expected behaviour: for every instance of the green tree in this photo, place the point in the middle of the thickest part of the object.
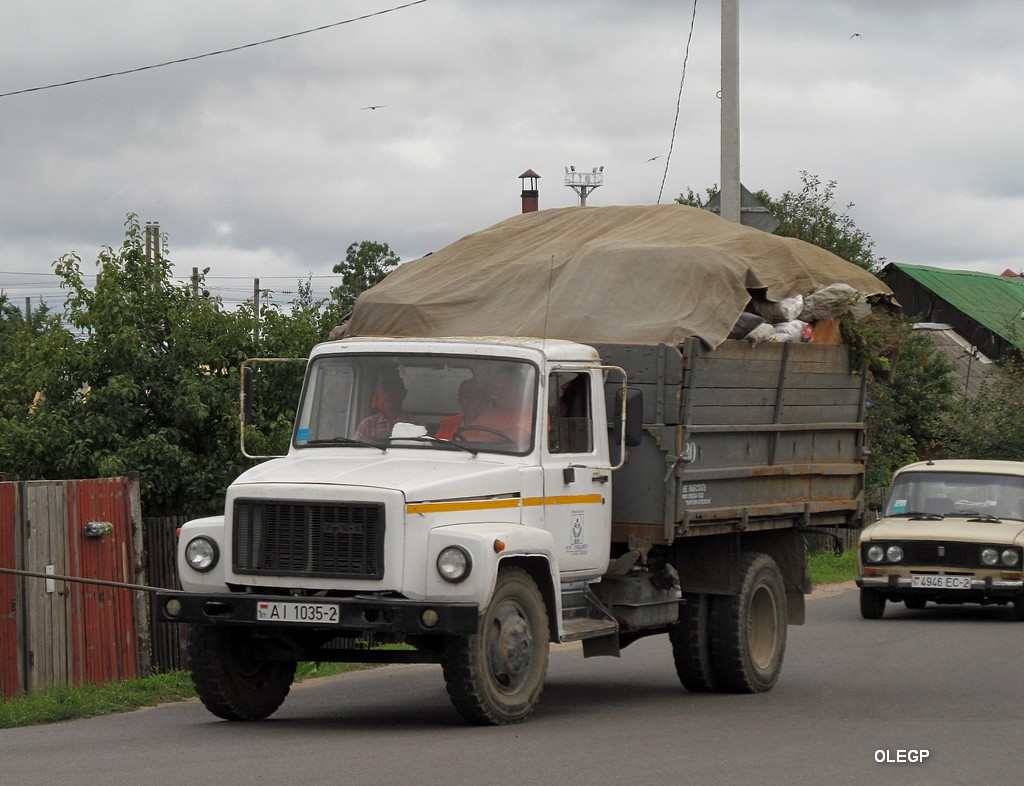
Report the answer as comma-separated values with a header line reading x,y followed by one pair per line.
x,y
812,214
365,263
990,426
148,383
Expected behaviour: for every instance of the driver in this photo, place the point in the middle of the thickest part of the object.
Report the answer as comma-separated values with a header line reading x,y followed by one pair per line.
x,y
473,400
511,415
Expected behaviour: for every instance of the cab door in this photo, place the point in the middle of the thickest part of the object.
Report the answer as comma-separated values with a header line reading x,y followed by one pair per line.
x,y
577,482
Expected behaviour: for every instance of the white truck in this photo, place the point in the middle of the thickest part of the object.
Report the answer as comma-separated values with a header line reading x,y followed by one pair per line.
x,y
639,488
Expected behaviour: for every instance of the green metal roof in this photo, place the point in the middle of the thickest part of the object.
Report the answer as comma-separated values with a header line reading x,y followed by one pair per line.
x,y
997,302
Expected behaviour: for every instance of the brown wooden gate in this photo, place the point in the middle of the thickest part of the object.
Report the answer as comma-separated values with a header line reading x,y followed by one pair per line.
x,y
72,633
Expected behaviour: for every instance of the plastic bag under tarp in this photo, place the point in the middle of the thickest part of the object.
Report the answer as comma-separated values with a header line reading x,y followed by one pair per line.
x,y
790,332
745,324
763,332
835,300
780,311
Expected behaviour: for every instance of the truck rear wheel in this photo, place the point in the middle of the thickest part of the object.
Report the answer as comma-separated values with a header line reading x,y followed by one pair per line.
x,y
233,680
691,644
748,630
495,676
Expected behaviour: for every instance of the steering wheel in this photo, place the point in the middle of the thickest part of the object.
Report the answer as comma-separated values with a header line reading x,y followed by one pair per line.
x,y
457,435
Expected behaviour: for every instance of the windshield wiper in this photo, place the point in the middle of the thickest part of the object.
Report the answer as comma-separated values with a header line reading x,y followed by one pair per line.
x,y
345,441
974,515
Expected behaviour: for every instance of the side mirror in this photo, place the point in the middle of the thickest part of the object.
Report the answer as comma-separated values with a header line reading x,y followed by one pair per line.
x,y
634,416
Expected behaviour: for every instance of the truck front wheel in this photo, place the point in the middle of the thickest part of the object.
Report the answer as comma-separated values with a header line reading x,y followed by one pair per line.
x,y
233,680
495,676
748,630
691,644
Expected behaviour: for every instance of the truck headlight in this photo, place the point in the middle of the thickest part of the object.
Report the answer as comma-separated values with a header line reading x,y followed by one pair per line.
x,y
202,553
989,556
454,564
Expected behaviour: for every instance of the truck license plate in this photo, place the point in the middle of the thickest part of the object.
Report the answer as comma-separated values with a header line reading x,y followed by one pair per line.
x,y
941,582
312,613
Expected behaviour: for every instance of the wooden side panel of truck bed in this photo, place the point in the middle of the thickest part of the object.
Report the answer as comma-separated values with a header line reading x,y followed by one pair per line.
x,y
740,438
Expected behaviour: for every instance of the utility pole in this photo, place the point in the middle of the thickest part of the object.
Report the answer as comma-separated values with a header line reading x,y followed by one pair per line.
x,y
730,205
255,311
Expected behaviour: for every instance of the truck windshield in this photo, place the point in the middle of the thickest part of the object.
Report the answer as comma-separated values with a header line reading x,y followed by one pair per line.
x,y
957,494
486,404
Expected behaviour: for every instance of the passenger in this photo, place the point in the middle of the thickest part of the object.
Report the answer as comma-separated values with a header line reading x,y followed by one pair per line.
x,y
473,400
390,395
511,416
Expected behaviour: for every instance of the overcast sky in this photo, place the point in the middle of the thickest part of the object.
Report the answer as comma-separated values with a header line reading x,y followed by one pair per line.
x,y
263,162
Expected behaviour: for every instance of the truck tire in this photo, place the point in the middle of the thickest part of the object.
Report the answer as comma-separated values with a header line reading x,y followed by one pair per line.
x,y
691,644
748,630
232,679
495,676
872,604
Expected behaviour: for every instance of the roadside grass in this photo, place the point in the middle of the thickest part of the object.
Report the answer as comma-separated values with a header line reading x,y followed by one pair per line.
x,y
64,703
826,568
88,701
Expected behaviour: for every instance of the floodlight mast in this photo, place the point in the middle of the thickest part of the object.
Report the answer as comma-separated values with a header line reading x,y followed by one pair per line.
x,y
584,182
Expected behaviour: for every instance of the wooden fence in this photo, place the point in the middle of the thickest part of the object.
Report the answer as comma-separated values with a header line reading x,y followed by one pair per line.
x,y
55,632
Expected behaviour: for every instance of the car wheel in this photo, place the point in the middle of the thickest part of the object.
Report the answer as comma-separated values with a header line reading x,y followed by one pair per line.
x,y
872,604
1018,608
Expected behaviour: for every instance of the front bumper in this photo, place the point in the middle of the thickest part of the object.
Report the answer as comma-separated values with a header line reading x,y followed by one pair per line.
x,y
356,615
987,586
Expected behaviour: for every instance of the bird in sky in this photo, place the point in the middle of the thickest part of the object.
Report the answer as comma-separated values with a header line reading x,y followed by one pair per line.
x,y
652,158
375,106
856,35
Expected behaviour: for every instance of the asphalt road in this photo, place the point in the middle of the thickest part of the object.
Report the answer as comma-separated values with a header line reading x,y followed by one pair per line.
x,y
949,681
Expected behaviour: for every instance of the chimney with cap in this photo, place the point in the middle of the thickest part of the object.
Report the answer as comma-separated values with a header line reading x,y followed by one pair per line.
x,y
531,201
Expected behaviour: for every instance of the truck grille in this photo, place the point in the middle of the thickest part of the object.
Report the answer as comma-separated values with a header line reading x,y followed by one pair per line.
x,y
338,540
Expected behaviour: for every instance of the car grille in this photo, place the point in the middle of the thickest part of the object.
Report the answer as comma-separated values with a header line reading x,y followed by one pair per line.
x,y
338,540
948,554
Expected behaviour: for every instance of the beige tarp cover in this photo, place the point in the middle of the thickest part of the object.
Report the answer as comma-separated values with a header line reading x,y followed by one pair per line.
x,y
642,274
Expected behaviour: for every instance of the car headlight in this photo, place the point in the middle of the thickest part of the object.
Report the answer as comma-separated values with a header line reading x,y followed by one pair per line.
x,y
454,564
894,553
989,556
202,553
875,553
1011,557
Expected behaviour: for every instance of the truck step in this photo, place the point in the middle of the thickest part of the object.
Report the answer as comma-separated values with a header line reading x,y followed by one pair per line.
x,y
583,628
583,615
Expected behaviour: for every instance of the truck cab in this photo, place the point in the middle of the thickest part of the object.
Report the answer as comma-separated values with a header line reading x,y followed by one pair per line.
x,y
374,528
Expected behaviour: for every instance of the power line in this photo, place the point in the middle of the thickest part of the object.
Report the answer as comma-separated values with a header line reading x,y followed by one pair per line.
x,y
679,98
212,54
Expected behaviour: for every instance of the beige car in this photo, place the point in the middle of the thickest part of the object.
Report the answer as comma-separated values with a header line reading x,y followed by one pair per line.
x,y
951,532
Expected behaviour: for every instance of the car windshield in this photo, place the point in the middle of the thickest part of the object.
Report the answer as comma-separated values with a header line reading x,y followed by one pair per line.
x,y
969,494
418,401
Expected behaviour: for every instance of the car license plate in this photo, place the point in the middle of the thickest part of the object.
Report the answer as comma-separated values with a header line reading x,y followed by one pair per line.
x,y
312,613
941,582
